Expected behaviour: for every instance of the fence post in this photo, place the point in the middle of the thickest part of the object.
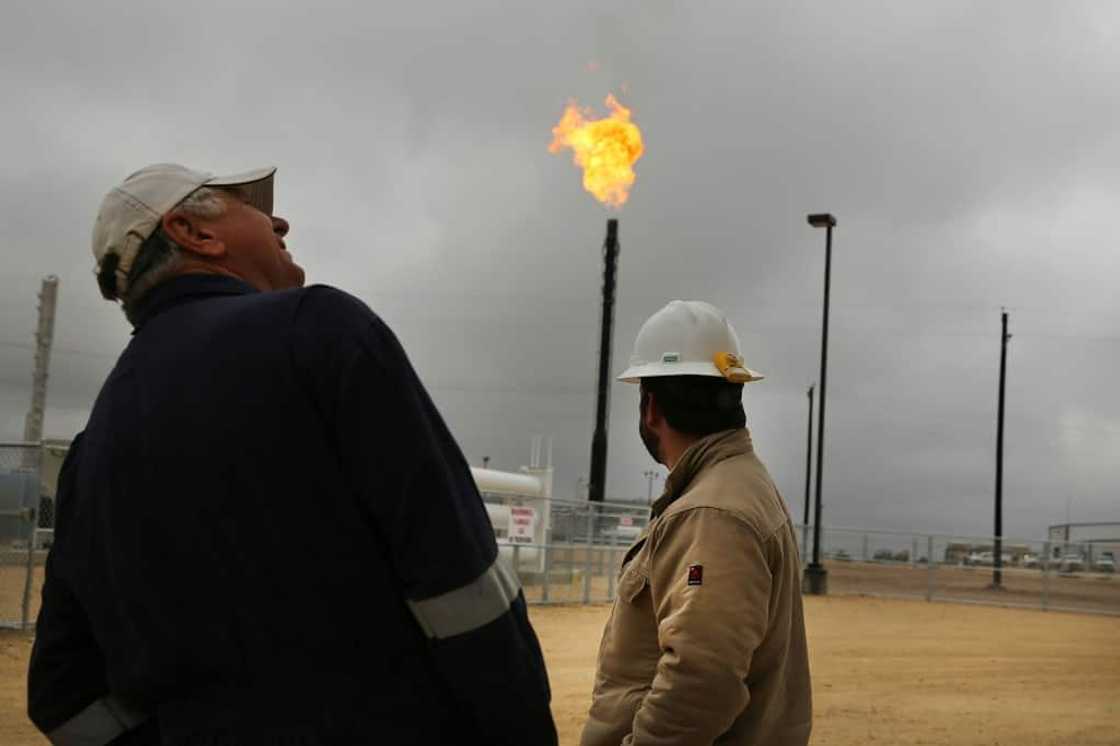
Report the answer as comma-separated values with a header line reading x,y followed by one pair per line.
x,y
29,515
1045,567
589,567
865,547
929,568
547,573
610,575
914,552
804,544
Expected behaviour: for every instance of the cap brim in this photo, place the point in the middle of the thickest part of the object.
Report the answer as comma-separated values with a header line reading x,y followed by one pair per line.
x,y
256,184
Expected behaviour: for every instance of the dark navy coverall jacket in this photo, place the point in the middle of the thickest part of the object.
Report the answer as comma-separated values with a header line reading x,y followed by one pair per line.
x,y
266,534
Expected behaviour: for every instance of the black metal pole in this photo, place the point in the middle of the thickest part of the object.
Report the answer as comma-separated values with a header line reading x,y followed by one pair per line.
x,y
808,457
820,414
597,485
815,573
997,553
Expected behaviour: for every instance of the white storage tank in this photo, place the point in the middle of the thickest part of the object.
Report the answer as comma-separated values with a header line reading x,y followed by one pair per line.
x,y
519,510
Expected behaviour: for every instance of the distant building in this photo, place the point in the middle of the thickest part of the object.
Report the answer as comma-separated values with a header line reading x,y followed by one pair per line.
x,y
956,552
1087,540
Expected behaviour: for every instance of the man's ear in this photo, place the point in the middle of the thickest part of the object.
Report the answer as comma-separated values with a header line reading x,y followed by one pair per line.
x,y
651,412
193,234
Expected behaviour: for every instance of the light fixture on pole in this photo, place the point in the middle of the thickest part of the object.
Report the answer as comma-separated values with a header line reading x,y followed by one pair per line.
x,y
816,576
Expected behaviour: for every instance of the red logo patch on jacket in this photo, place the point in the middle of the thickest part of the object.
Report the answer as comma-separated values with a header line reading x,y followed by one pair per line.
x,y
695,574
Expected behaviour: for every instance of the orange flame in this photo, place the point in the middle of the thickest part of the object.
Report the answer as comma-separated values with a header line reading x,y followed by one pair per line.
x,y
605,149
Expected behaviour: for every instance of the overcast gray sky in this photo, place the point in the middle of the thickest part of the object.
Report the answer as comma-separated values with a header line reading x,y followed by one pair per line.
x,y
969,151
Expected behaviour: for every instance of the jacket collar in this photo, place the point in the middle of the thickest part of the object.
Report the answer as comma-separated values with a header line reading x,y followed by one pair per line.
x,y
709,450
182,289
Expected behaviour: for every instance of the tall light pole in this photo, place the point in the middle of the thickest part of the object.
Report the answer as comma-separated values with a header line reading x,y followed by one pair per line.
x,y
808,476
997,554
816,576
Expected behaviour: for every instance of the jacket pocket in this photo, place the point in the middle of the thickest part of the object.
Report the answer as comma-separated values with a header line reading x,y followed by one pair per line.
x,y
632,583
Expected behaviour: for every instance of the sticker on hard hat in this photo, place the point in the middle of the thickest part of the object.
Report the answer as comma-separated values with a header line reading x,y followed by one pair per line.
x,y
671,357
732,367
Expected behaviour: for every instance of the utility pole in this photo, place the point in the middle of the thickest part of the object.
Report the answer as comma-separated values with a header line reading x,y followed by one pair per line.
x,y
44,336
33,425
598,479
997,554
808,477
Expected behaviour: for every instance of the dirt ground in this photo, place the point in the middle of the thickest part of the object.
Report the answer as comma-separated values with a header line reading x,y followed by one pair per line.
x,y
884,671
13,576
911,672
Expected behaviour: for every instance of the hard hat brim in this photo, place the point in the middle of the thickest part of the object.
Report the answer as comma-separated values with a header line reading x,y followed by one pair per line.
x,y
635,373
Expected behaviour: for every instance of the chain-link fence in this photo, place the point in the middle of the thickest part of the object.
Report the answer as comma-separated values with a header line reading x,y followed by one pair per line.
x,y
565,551
1041,574
22,550
570,551
566,567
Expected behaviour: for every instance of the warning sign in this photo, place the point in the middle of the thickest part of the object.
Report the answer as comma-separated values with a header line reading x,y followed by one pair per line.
x,y
522,524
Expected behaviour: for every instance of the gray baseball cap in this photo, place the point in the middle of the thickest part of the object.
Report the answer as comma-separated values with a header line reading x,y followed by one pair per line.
x,y
131,212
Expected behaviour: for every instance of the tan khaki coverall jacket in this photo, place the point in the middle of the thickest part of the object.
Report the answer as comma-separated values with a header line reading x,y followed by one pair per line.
x,y
706,640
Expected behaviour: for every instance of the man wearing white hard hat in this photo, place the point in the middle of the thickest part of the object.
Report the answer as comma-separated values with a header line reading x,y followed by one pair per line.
x,y
706,640
266,534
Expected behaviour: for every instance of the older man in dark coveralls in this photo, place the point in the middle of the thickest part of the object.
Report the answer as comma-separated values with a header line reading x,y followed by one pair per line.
x,y
266,533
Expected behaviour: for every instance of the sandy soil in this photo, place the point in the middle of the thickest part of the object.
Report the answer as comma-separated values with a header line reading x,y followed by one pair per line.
x,y
13,575
910,672
884,671
15,729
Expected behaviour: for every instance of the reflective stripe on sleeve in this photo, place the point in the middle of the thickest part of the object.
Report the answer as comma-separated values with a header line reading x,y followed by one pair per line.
x,y
469,607
97,724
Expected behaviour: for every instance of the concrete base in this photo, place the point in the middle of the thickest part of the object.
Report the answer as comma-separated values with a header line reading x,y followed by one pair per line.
x,y
815,581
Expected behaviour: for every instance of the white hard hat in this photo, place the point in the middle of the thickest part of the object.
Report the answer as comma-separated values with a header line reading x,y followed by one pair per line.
x,y
688,338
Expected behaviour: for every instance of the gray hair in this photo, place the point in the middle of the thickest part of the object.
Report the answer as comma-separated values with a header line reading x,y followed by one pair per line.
x,y
160,258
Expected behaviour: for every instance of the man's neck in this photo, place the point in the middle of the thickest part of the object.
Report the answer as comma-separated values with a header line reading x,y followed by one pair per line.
x,y
673,446
195,267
